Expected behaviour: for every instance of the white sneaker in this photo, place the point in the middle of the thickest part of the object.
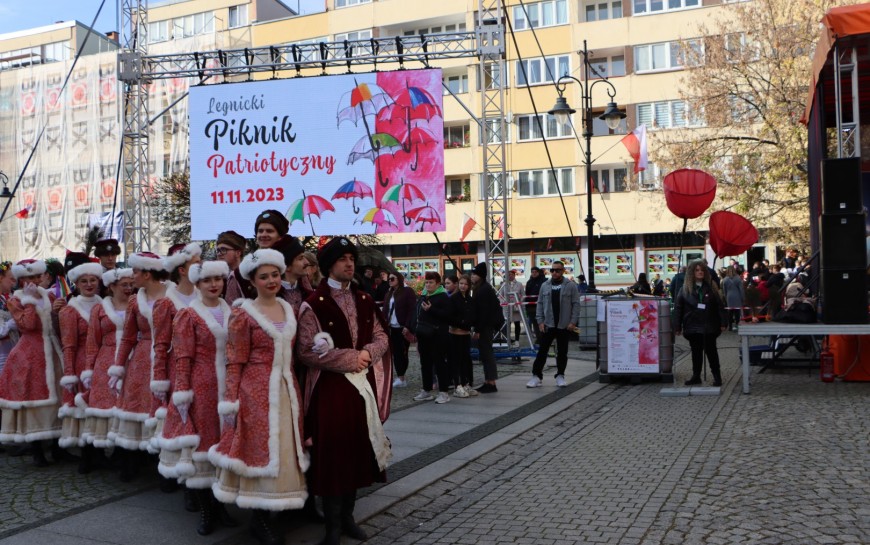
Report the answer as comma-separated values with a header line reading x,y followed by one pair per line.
x,y
534,382
399,383
471,391
560,381
424,396
460,392
443,397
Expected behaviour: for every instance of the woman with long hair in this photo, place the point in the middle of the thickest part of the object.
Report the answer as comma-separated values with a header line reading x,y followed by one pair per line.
x,y
260,457
398,305
699,314
130,376
29,382
461,322
104,337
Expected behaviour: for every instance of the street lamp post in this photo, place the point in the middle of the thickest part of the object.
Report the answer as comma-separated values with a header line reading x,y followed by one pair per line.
x,y
5,194
612,116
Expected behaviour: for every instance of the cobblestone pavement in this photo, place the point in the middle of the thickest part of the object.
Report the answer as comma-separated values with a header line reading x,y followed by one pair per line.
x,y
787,464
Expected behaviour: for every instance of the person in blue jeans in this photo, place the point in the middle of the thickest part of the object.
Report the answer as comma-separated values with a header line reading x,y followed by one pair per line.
x,y
557,314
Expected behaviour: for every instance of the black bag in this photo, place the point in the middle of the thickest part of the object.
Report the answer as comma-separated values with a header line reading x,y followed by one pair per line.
x,y
798,313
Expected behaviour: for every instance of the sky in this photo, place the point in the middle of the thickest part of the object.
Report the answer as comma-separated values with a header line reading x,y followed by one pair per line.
x,y
24,14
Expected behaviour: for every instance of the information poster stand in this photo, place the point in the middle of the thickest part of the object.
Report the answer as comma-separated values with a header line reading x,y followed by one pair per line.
x,y
635,339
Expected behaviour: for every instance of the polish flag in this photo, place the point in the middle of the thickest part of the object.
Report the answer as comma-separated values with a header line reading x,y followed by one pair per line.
x,y
635,142
500,226
24,212
549,244
468,224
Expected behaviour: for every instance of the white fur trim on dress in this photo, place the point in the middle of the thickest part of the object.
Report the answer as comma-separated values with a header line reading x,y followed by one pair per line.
x,y
113,275
208,269
145,263
81,403
245,501
67,380
29,437
85,269
177,443
325,336
182,397
129,416
117,371
226,408
182,256
158,386
198,483
259,258
22,270
50,347
84,305
282,364
220,338
86,374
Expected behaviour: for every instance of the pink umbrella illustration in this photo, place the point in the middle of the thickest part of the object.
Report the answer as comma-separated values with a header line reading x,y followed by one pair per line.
x,y
306,206
424,214
412,104
372,147
352,190
366,99
401,193
378,216
418,137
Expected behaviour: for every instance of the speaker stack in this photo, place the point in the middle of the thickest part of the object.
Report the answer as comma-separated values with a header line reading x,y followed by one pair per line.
x,y
842,233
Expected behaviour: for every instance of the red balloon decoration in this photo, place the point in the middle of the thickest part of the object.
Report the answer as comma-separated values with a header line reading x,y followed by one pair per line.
x,y
689,192
731,234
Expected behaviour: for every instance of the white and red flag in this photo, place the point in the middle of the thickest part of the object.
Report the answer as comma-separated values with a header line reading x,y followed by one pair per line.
x,y
635,142
24,212
468,224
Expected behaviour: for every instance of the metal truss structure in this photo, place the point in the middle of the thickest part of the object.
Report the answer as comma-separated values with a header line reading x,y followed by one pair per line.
x,y
486,43
848,121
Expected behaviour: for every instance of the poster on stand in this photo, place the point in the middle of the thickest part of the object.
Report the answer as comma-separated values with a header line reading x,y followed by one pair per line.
x,y
632,337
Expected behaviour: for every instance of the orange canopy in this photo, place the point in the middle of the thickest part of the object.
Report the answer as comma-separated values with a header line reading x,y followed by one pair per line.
x,y
837,23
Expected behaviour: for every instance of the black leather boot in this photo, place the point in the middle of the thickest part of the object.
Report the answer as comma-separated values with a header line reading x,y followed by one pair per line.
x,y
39,456
86,460
310,511
332,514
349,527
207,519
262,530
224,518
191,500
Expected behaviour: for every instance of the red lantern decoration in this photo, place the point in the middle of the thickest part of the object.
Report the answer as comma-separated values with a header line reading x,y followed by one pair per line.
x,y
731,234
689,192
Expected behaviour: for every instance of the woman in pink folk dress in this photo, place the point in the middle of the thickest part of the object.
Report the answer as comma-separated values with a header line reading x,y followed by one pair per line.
x,y
29,382
192,425
104,337
130,376
180,292
74,319
260,458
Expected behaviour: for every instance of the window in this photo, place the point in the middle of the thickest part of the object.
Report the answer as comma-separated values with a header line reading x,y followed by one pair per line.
x,y
494,131
601,11
657,6
457,136
495,186
57,51
610,179
528,128
541,14
650,178
493,78
600,128
607,67
453,27
346,3
356,49
664,55
457,189
158,31
665,115
193,25
542,70
742,108
456,84
740,47
238,16
309,50
543,183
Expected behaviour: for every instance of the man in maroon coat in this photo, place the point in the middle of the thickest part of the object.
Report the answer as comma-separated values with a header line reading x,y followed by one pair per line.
x,y
343,341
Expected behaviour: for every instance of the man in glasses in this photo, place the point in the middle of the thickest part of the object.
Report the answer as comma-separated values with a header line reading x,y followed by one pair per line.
x,y
557,314
230,248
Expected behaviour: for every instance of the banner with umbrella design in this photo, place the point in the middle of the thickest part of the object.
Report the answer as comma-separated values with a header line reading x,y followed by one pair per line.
x,y
355,161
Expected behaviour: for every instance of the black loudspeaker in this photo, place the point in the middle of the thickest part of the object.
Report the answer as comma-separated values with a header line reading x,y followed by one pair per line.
x,y
841,186
842,237
844,296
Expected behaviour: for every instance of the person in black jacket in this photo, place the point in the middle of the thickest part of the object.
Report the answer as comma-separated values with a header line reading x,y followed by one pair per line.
x,y
399,304
642,286
461,322
699,314
533,289
488,319
430,327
